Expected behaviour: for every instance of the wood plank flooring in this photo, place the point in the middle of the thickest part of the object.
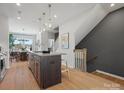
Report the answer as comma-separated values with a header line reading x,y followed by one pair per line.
x,y
19,77
109,78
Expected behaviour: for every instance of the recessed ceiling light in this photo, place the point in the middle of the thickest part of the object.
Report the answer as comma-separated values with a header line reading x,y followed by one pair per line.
x,y
18,4
55,16
50,25
18,17
44,29
112,5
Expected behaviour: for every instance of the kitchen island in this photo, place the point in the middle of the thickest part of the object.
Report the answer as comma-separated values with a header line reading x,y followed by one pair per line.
x,y
46,68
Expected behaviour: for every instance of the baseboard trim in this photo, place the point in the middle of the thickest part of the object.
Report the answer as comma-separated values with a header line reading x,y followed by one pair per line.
x,y
109,74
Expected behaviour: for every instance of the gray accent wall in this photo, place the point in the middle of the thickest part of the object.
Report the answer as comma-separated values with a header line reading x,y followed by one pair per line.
x,y
105,44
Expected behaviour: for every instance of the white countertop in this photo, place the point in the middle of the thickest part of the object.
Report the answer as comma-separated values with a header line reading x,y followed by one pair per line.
x,y
48,54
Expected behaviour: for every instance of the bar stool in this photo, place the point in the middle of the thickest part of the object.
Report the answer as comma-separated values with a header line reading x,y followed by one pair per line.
x,y
65,68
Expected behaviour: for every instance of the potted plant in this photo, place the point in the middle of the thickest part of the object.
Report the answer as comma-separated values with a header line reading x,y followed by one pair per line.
x,y
11,40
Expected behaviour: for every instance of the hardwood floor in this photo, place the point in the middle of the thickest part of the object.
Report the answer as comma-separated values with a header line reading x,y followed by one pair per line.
x,y
19,77
109,78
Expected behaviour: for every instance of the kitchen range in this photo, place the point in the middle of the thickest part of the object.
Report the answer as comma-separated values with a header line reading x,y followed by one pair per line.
x,y
2,63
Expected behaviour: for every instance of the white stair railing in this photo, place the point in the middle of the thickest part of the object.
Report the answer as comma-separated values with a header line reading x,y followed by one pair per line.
x,y
80,59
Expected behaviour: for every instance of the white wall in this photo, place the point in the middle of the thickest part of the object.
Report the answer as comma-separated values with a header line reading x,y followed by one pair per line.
x,y
70,55
4,39
68,27
23,27
78,28
88,21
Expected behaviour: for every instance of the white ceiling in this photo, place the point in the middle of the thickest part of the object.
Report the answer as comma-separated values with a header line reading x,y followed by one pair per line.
x,y
32,11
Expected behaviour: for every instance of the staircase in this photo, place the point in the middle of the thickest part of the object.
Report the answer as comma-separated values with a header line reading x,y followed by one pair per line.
x,y
86,22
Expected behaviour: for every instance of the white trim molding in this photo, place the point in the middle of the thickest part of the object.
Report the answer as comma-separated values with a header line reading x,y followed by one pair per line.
x,y
109,74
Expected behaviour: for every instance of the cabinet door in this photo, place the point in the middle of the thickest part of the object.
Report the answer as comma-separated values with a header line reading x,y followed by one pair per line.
x,y
52,71
37,70
33,65
31,62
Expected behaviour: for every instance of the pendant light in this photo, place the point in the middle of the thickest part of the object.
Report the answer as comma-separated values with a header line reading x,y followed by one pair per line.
x,y
43,25
50,18
19,15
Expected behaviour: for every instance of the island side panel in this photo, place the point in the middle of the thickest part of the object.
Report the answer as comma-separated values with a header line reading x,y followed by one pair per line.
x,y
52,70
46,69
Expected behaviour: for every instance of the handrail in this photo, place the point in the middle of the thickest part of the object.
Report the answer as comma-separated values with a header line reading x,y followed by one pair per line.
x,y
93,58
80,59
80,50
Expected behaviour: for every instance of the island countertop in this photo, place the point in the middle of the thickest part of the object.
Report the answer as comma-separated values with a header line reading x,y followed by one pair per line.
x,y
47,54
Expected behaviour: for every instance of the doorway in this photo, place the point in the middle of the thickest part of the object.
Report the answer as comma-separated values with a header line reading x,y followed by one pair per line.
x,y
20,45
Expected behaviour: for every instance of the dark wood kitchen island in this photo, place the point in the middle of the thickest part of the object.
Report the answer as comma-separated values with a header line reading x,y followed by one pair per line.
x,y
46,68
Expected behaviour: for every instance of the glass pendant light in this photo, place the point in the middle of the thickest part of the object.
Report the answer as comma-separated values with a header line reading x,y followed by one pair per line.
x,y
43,25
49,19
